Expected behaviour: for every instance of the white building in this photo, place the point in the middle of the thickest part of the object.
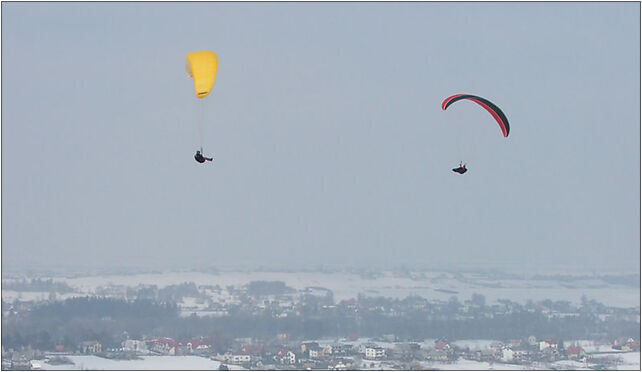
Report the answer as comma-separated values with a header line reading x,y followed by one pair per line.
x,y
135,345
327,350
290,357
507,355
285,357
375,352
240,358
314,352
165,346
546,344
90,347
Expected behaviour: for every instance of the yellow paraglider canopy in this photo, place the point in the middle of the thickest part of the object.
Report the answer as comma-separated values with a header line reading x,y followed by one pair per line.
x,y
201,66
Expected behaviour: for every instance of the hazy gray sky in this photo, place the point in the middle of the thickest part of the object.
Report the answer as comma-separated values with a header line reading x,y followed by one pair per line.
x,y
329,138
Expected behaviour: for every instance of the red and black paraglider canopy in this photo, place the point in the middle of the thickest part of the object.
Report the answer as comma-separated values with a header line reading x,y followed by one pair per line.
x,y
489,106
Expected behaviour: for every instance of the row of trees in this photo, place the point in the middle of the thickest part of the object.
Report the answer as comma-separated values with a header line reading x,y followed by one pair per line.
x,y
37,285
80,319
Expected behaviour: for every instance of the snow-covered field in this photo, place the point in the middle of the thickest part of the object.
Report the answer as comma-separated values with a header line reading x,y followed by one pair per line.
x,y
431,285
628,361
153,363
471,365
10,296
473,345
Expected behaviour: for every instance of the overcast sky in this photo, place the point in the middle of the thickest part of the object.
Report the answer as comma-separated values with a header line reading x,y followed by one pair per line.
x,y
326,124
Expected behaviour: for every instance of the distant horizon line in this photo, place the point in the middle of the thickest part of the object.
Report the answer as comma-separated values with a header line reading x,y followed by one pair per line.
x,y
134,269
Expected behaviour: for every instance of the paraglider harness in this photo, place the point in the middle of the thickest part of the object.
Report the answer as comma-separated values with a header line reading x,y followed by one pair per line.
x,y
200,158
461,169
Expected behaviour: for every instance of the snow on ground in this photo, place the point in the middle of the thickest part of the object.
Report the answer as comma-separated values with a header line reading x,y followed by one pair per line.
x,y
326,341
628,361
384,344
427,344
473,345
471,365
154,363
10,296
214,314
591,346
375,365
631,361
193,304
625,360
347,285
568,365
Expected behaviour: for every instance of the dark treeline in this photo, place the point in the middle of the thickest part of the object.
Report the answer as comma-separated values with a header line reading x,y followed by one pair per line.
x,y
97,307
80,319
109,321
171,293
37,285
265,288
502,327
417,326
630,280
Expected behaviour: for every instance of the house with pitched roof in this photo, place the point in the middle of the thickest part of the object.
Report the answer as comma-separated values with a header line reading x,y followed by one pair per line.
x,y
575,352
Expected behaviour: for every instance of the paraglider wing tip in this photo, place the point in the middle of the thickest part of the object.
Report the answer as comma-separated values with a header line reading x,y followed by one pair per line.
x,y
449,100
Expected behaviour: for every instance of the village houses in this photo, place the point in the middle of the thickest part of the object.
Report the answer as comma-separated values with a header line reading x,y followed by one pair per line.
x,y
285,356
